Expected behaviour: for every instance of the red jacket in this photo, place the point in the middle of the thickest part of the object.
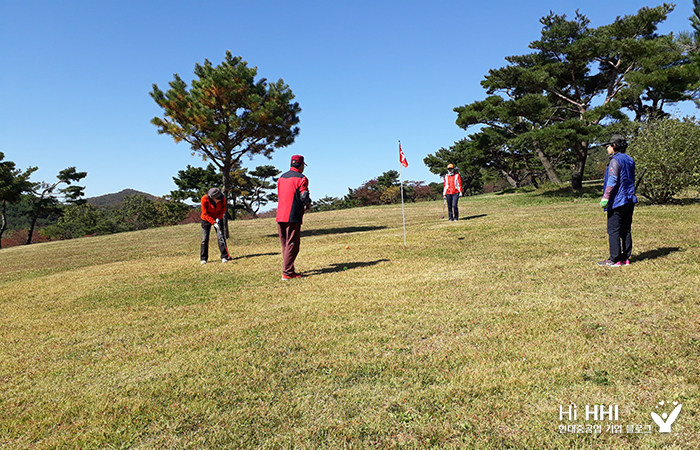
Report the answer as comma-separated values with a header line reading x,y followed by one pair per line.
x,y
453,184
293,196
211,211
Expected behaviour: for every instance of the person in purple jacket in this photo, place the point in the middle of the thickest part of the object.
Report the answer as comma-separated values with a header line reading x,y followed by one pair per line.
x,y
619,198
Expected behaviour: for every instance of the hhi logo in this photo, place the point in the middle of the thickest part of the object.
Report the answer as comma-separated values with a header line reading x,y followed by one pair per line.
x,y
666,420
595,412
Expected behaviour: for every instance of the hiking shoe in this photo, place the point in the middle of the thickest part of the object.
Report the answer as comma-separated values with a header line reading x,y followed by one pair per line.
x,y
290,277
609,263
204,261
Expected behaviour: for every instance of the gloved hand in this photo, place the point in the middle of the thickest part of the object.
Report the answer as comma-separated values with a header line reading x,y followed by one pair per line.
x,y
444,197
217,225
604,203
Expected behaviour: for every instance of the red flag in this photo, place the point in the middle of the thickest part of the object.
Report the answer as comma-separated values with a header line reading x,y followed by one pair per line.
x,y
402,157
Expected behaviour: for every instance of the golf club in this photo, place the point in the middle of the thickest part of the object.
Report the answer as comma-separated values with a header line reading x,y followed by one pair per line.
x,y
220,237
444,201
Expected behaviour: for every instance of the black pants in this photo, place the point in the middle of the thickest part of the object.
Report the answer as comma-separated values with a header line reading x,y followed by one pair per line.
x,y
452,206
204,250
619,232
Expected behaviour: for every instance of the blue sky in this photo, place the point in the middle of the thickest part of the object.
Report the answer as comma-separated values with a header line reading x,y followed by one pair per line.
x,y
75,78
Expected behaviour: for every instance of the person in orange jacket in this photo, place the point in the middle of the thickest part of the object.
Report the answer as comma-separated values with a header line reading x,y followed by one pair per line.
x,y
451,192
213,210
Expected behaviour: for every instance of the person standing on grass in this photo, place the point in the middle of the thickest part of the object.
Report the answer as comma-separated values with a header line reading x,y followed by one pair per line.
x,y
618,200
293,201
451,192
213,210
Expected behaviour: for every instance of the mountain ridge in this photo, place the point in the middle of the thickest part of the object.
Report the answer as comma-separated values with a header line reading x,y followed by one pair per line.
x,y
116,199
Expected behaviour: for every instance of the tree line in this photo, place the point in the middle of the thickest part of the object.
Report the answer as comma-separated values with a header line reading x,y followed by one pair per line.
x,y
63,213
540,122
40,199
60,211
382,190
545,112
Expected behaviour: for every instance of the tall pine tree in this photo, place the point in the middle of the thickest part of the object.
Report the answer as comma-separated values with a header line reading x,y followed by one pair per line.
x,y
226,114
551,105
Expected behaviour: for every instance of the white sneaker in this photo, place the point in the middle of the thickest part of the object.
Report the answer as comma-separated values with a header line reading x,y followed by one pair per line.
x,y
202,262
225,260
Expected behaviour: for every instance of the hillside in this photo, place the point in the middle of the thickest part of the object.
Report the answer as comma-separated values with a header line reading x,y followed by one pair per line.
x,y
476,336
116,199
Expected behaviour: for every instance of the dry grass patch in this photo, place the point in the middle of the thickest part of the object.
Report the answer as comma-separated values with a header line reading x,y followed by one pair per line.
x,y
472,337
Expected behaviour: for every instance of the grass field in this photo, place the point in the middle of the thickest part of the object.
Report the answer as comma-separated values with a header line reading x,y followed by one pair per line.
x,y
475,336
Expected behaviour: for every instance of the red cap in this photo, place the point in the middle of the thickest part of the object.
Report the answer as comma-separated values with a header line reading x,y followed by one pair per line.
x,y
298,159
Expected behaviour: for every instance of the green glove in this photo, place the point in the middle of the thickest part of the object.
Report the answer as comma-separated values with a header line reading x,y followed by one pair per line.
x,y
604,203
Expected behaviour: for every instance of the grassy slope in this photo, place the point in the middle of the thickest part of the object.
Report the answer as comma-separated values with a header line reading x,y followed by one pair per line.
x,y
470,338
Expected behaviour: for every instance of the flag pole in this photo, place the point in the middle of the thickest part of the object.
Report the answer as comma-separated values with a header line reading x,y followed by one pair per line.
x,y
403,212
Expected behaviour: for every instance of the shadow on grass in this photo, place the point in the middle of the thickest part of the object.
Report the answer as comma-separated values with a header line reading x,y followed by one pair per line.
x,y
340,267
343,230
255,255
473,217
658,253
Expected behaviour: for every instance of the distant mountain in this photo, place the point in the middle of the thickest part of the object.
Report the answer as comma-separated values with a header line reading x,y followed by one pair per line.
x,y
115,200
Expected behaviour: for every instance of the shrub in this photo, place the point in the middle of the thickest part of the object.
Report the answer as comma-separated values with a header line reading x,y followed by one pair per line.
x,y
140,212
77,221
668,150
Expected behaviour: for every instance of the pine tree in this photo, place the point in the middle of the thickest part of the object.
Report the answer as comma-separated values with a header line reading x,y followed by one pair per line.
x,y
44,201
226,114
13,183
554,102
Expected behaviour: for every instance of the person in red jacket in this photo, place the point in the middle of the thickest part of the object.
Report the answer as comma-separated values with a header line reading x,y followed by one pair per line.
x,y
293,201
451,192
213,210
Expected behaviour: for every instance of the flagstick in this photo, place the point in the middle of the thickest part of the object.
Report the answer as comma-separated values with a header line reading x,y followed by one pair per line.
x,y
403,212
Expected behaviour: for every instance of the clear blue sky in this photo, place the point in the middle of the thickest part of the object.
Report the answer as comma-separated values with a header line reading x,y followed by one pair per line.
x,y
75,78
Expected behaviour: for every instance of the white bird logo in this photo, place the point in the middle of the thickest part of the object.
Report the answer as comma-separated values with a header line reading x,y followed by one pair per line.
x,y
666,420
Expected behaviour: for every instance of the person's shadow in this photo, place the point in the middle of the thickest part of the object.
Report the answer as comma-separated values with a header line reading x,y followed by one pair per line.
x,y
658,253
339,267
255,255
339,230
473,217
